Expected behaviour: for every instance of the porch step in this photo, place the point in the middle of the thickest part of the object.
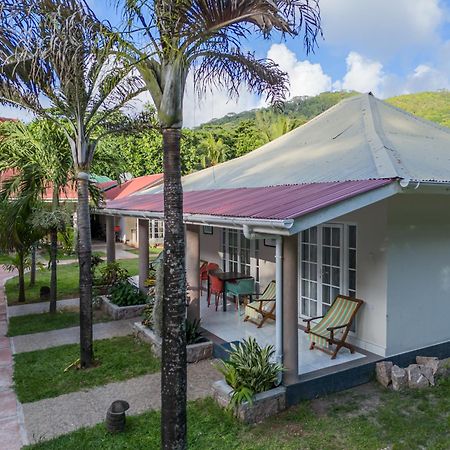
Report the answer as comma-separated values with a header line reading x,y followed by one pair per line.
x,y
221,350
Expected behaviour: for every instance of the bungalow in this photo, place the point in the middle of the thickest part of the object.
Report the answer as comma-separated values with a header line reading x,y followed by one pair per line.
x,y
354,202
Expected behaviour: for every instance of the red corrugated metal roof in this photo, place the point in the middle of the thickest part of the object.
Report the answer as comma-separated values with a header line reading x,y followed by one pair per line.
x,y
132,186
275,202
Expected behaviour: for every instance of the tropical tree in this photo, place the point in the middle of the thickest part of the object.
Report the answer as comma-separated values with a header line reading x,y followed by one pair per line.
x,y
272,125
213,151
56,53
18,236
40,158
203,36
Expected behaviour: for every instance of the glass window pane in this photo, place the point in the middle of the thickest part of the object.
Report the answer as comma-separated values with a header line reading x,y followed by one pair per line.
x,y
334,292
313,290
352,236
305,252
313,272
325,308
305,309
326,258
336,257
325,294
313,309
336,236
352,280
305,236
313,253
313,235
336,276
352,259
326,236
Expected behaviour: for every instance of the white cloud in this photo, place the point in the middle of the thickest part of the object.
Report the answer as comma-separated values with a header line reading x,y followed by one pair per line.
x,y
427,78
305,78
363,75
15,113
382,28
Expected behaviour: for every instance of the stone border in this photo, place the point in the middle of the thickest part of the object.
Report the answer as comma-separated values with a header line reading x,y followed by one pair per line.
x,y
120,312
264,405
195,352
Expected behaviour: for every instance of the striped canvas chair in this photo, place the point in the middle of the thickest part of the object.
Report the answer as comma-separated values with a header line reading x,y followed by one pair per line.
x,y
258,311
339,317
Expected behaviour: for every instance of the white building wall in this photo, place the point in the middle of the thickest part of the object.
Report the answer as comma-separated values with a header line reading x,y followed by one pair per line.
x,y
371,276
129,231
418,272
211,246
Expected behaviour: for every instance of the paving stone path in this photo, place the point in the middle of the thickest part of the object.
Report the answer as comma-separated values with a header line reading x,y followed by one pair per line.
x,y
55,338
12,431
52,417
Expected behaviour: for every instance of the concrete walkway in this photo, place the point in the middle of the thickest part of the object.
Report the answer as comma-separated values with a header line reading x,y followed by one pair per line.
x,y
122,250
12,431
41,307
55,338
48,418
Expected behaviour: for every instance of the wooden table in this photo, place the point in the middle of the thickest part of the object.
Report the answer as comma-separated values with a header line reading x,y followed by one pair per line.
x,y
229,277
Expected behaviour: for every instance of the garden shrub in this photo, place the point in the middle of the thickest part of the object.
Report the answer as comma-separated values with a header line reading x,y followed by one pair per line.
x,y
113,273
250,370
126,294
193,333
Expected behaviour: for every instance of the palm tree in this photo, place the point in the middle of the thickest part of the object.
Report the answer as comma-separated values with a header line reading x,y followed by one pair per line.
x,y
203,36
213,151
39,155
55,52
272,125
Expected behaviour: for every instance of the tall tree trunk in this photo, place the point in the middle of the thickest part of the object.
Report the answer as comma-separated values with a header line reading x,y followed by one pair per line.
x,y
174,371
33,266
21,270
84,258
53,267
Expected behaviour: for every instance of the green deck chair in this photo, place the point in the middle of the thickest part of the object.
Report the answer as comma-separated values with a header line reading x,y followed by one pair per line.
x,y
340,316
262,309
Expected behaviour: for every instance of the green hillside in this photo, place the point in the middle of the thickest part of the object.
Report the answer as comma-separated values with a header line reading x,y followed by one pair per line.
x,y
433,106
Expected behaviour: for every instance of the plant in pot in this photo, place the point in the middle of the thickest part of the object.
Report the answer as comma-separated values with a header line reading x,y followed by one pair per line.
x,y
125,293
110,275
250,370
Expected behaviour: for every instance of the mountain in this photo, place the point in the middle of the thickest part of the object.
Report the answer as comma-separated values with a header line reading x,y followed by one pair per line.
x,y
434,106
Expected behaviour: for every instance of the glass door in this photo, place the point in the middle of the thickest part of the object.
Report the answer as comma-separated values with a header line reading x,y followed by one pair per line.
x,y
321,276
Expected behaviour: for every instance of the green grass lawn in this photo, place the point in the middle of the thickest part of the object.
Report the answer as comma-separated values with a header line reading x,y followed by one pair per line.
x,y
40,374
4,259
351,420
68,281
154,251
36,323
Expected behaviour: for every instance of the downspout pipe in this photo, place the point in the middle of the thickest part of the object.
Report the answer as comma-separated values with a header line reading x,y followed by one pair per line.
x,y
279,302
249,234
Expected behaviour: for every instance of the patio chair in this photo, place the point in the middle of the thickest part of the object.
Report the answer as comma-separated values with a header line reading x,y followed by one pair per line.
x,y
216,286
262,309
205,268
339,317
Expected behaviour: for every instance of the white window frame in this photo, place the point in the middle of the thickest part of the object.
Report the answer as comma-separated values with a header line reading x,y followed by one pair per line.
x,y
254,253
344,264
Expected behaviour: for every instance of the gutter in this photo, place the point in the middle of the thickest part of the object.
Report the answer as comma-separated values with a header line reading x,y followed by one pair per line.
x,y
269,226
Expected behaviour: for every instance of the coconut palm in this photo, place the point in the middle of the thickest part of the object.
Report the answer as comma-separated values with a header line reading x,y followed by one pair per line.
x,y
56,53
40,157
272,125
204,37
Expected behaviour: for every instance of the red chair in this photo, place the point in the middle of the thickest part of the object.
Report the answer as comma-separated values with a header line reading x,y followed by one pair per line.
x,y
205,268
215,288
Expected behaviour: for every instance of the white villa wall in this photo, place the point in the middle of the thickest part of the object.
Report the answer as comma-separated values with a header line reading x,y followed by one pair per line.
x,y
418,272
129,231
371,276
211,246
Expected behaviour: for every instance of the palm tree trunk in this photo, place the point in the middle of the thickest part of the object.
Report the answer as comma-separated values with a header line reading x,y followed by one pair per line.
x,y
84,258
173,372
21,270
53,267
33,266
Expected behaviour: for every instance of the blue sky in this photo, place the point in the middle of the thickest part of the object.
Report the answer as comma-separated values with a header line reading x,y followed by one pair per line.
x,y
389,47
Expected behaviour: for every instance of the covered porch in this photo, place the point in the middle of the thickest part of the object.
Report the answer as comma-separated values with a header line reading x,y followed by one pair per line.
x,y
297,208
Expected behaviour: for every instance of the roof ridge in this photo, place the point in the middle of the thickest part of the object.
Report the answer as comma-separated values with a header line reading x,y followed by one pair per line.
x,y
376,139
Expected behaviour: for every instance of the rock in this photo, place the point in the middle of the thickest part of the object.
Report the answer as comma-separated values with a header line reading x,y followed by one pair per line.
x,y
399,378
383,371
416,380
427,372
443,368
429,361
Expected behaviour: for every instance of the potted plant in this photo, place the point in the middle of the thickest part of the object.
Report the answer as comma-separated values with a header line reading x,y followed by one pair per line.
x,y
149,330
251,386
125,300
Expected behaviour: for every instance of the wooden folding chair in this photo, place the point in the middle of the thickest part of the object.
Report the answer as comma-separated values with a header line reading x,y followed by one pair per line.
x,y
262,309
340,316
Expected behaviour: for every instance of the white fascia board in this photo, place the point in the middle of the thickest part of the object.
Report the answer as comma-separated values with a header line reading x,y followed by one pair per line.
x,y
344,207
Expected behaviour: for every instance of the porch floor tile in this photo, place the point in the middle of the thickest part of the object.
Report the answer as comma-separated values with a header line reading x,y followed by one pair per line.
x,y
230,326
